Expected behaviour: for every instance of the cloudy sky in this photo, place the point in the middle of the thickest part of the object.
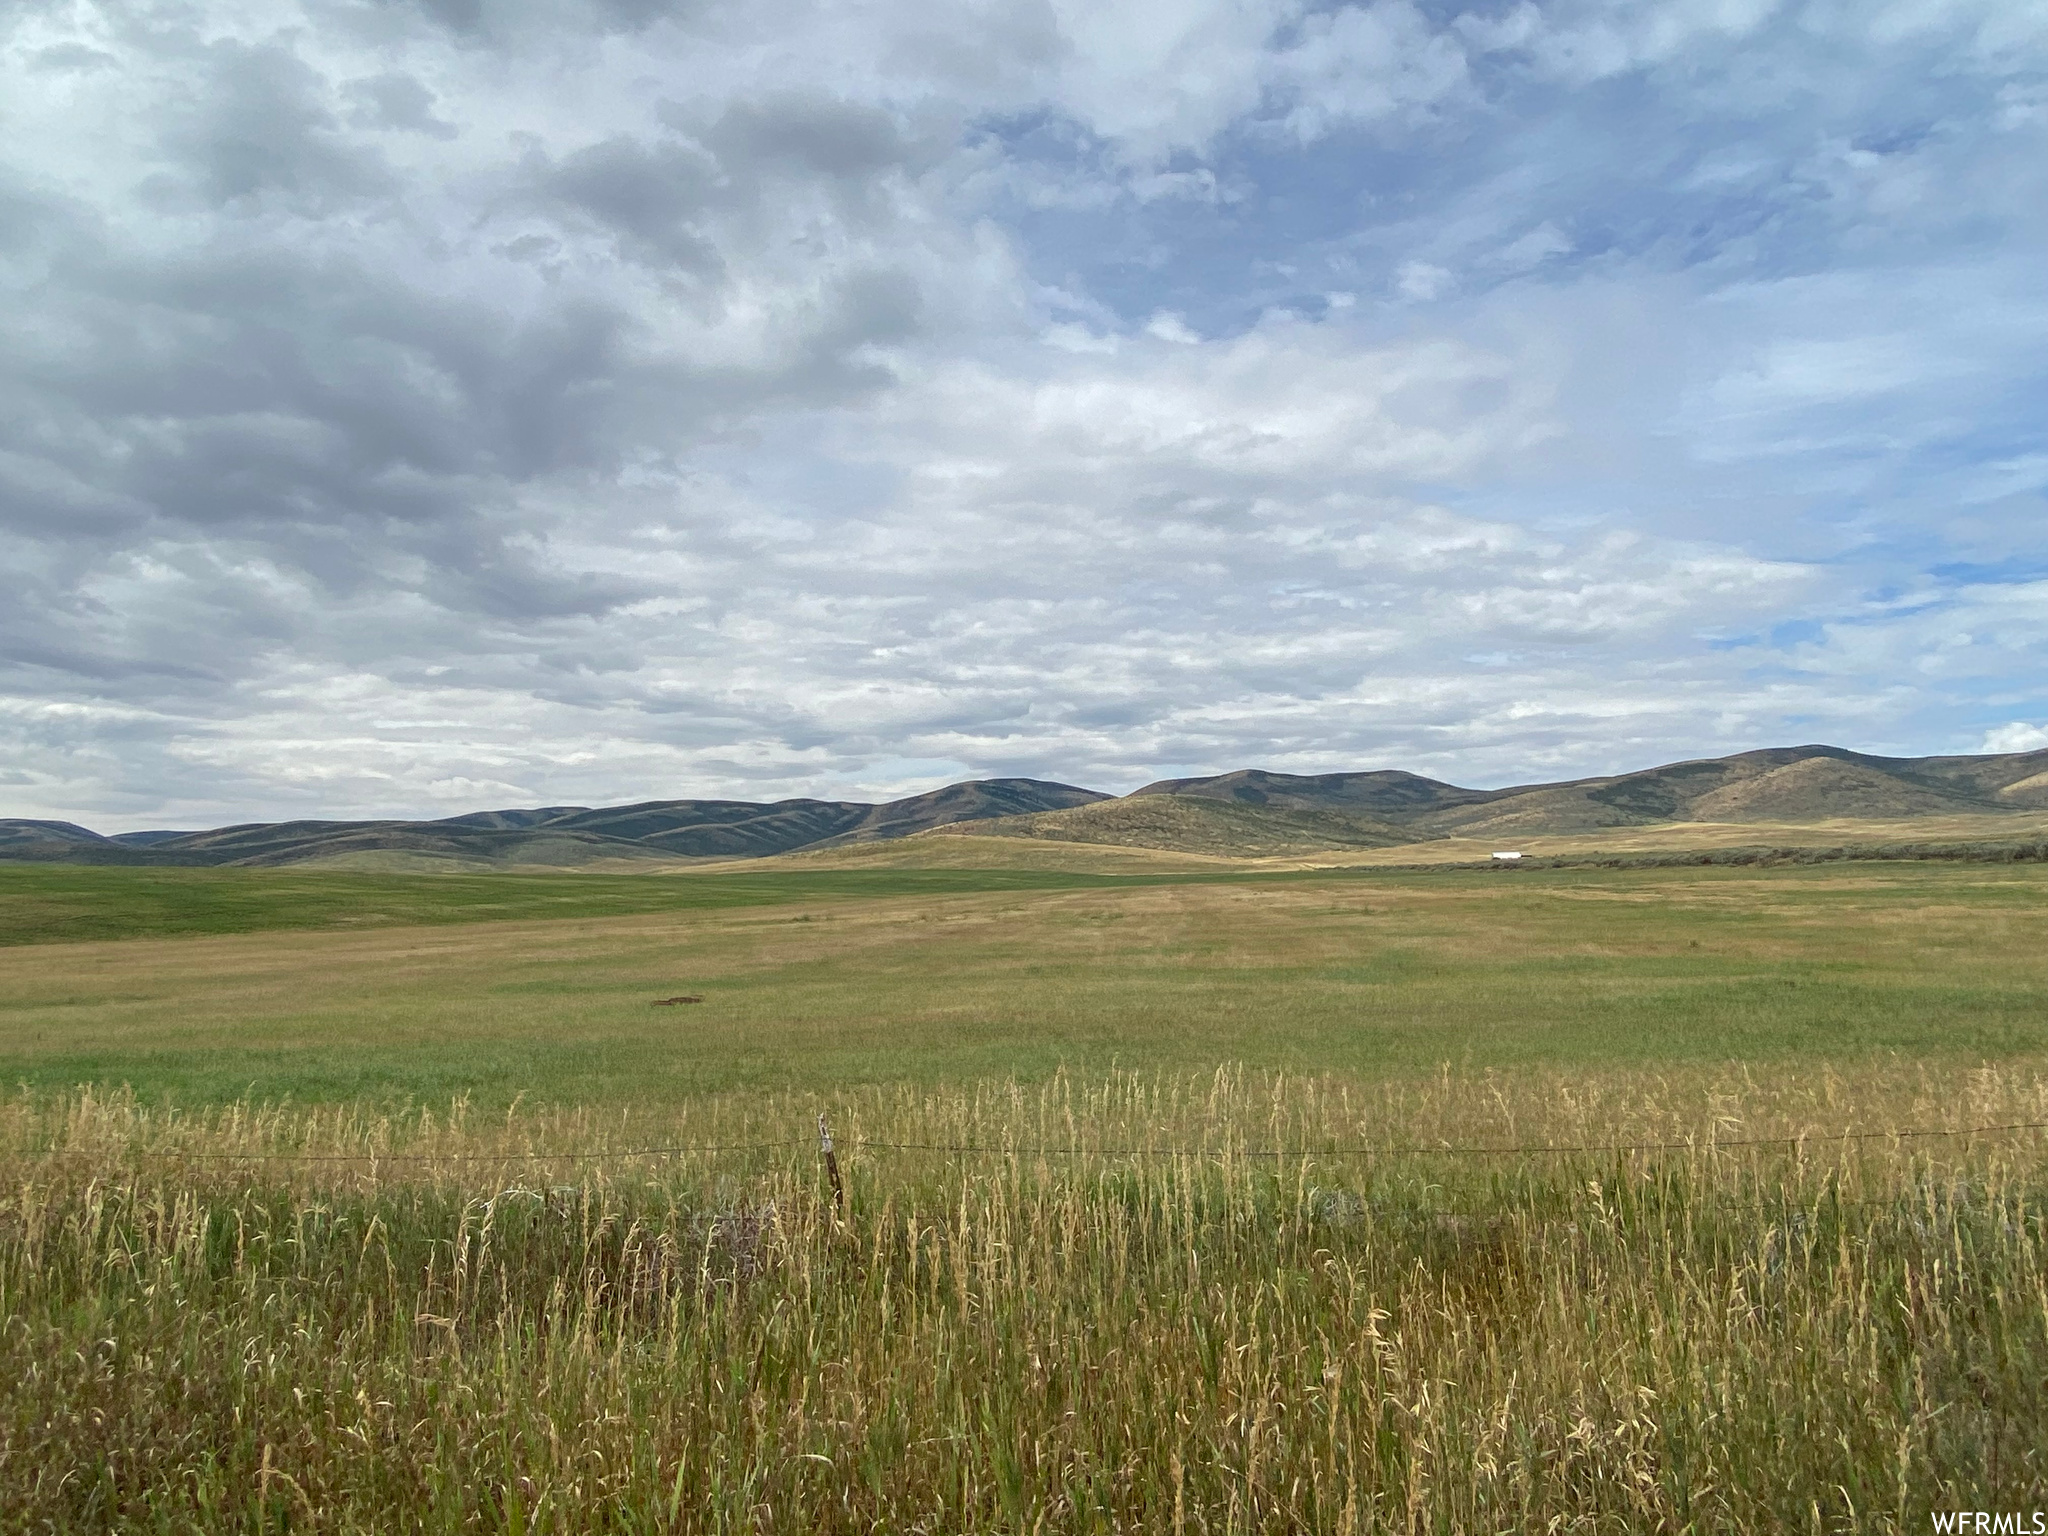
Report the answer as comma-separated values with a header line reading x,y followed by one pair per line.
x,y
413,406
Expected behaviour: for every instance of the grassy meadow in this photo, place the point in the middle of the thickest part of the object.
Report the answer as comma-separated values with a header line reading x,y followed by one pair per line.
x,y
897,976
1356,1200
67,903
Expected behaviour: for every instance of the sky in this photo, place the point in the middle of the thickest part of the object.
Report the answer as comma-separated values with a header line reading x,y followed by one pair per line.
x,y
410,407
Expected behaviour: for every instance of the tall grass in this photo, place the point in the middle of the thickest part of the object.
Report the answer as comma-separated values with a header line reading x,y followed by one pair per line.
x,y
1118,1313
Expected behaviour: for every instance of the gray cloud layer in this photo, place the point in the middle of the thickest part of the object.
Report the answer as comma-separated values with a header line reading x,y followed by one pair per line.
x,y
409,408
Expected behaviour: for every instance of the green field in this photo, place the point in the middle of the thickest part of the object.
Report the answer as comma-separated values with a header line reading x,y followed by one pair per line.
x,y
824,978
63,903
1345,1201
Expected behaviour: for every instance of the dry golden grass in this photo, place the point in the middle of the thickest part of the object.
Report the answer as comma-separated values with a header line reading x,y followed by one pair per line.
x,y
1116,1313
943,849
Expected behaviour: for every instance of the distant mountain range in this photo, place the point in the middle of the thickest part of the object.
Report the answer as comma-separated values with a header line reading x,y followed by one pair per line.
x,y
1248,812
1778,784
1252,812
561,835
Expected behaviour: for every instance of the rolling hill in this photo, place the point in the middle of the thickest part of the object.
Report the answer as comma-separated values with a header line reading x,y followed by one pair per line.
x,y
1250,813
1777,784
558,837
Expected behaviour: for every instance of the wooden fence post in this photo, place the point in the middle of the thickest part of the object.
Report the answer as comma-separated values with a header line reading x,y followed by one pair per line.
x,y
831,1166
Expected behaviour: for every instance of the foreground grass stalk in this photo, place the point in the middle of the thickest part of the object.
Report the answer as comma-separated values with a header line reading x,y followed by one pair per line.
x,y
1145,1303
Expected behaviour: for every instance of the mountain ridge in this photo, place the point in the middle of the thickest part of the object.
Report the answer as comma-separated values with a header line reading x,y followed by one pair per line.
x,y
561,837
1813,782
1260,812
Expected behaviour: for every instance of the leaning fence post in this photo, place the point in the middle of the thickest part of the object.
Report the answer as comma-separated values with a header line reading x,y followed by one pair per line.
x,y
831,1166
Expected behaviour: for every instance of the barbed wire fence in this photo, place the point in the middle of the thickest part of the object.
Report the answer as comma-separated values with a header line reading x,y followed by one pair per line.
x,y
829,1146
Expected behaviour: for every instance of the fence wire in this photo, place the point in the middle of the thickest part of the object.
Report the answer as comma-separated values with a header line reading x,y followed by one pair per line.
x,y
994,1149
